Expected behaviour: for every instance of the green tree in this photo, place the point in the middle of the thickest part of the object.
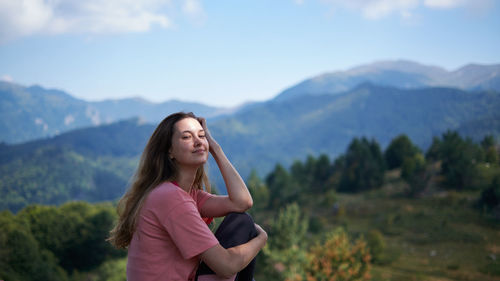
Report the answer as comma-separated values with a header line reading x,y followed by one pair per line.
x,y
314,176
94,249
283,188
52,229
489,199
459,158
322,172
364,166
112,270
303,173
400,148
414,173
21,257
76,233
259,192
488,141
490,149
337,170
433,153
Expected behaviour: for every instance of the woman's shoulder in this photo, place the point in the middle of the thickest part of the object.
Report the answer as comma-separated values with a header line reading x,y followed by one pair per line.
x,y
165,187
168,192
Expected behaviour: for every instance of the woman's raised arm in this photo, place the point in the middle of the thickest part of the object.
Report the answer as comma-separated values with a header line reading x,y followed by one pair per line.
x,y
238,197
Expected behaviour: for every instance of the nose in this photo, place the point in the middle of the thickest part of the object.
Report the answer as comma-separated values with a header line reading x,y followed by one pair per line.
x,y
197,141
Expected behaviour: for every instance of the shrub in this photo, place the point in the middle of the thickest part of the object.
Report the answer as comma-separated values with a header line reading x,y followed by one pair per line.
x,y
490,198
286,251
376,244
339,259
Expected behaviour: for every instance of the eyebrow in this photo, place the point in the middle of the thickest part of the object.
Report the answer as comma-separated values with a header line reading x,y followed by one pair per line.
x,y
188,131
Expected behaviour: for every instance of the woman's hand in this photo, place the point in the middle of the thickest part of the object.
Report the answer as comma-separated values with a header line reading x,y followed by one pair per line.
x,y
212,144
261,231
228,262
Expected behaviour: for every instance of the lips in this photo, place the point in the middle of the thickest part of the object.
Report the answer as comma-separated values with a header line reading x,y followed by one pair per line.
x,y
199,151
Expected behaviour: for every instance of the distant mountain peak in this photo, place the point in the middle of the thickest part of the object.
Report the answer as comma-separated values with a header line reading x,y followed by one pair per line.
x,y
395,65
132,100
403,74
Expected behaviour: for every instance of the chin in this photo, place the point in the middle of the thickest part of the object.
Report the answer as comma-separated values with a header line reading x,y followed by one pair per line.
x,y
201,162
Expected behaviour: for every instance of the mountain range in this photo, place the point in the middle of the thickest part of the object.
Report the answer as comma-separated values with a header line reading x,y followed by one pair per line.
x,y
28,113
284,130
95,163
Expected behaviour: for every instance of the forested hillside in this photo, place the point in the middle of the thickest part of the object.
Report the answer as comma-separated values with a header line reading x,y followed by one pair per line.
x,y
96,163
93,164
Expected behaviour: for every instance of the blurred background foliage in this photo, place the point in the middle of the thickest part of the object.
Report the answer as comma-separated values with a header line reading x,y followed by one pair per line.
x,y
369,214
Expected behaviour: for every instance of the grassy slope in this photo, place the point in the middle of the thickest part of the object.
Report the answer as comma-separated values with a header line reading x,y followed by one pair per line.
x,y
436,237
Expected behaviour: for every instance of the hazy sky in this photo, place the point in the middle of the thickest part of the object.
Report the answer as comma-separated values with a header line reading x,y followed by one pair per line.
x,y
223,52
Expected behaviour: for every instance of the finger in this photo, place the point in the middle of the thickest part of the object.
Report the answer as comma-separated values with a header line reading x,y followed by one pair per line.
x,y
202,121
258,227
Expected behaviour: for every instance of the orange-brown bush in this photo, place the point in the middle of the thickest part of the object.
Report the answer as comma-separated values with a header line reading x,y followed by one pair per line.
x,y
337,259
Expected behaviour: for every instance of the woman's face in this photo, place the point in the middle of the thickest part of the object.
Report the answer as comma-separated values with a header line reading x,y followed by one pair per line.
x,y
189,145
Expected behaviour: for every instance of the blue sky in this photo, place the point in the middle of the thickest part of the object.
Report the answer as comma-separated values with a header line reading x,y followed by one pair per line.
x,y
225,52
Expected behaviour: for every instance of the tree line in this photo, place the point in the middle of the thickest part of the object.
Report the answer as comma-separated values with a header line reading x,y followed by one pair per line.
x,y
453,162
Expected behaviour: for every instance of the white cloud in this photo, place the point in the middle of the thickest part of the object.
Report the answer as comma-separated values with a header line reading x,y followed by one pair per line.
x,y
381,8
192,7
443,4
376,9
20,18
194,10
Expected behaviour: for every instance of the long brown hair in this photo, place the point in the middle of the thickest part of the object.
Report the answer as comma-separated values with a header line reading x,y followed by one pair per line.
x,y
154,168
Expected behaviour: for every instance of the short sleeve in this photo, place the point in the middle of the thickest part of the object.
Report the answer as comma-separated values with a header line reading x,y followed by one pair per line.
x,y
202,197
188,231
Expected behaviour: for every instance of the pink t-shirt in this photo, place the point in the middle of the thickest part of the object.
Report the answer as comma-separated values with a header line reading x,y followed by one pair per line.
x,y
170,235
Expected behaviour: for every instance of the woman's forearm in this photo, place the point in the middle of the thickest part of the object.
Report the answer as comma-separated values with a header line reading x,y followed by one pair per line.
x,y
243,254
236,188
227,262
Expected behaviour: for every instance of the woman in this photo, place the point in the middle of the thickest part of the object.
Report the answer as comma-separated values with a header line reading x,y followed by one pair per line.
x,y
162,217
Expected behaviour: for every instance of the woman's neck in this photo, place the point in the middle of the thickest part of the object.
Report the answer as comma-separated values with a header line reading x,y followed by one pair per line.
x,y
185,179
